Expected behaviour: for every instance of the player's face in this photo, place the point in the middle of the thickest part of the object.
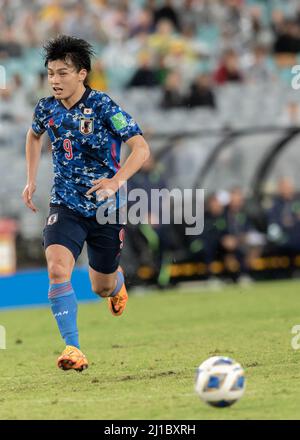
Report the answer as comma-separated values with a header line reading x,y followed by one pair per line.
x,y
64,79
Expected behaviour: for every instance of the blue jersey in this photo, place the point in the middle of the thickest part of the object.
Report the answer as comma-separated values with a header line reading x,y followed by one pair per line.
x,y
86,142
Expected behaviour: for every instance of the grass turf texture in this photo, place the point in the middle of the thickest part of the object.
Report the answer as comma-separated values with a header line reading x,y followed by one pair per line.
x,y
142,365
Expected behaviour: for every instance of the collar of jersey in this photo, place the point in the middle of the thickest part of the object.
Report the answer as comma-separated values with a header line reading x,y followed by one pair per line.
x,y
82,99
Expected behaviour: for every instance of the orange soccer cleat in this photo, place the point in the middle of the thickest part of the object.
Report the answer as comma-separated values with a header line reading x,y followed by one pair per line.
x,y
72,359
117,303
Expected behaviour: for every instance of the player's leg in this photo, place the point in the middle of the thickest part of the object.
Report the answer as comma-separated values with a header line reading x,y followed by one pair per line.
x,y
104,244
61,251
111,286
60,262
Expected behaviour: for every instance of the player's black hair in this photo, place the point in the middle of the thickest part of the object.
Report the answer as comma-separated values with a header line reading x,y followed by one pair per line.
x,y
65,47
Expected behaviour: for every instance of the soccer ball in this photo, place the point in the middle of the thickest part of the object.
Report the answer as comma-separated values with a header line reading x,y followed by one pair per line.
x,y
220,381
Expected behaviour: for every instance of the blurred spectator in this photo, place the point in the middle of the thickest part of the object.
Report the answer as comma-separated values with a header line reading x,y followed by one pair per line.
x,y
167,11
215,228
291,115
9,46
163,37
259,69
18,93
12,106
172,93
229,69
52,11
234,241
288,38
40,88
182,55
284,218
6,106
115,19
201,93
189,14
152,233
207,247
256,20
146,74
98,77
162,70
144,23
78,22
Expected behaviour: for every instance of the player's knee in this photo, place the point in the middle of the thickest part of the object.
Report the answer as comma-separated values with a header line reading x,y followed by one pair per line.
x,y
58,273
103,290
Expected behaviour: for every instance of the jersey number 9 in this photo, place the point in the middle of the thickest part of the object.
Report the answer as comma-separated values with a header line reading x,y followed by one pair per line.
x,y
68,148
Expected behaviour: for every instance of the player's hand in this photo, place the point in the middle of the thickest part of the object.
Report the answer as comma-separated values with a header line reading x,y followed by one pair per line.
x,y
27,196
104,188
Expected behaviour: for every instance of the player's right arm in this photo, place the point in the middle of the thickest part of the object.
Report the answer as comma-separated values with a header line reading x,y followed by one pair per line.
x,y
33,154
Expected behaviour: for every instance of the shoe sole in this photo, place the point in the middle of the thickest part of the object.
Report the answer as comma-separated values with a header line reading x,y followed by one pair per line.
x,y
67,364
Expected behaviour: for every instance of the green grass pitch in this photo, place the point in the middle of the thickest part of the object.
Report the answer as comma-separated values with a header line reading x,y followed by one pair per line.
x,y
142,365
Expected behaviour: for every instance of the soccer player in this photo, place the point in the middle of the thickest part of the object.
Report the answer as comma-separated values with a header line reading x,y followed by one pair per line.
x,y
86,128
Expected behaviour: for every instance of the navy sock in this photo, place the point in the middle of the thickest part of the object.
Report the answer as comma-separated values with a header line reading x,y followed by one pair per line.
x,y
120,282
64,308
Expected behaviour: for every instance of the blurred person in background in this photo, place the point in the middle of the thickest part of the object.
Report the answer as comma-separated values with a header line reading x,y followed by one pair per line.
x,y
153,235
229,69
256,22
19,98
116,20
9,45
288,38
167,11
52,10
50,17
235,239
259,69
172,95
40,88
208,246
146,74
189,14
183,55
98,77
214,229
162,38
13,103
201,92
78,21
143,23
290,115
283,218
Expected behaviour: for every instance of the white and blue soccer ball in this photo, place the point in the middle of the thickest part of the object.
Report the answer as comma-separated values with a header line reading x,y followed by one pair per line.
x,y
220,381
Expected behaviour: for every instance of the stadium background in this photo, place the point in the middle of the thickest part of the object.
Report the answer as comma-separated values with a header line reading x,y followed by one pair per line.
x,y
210,83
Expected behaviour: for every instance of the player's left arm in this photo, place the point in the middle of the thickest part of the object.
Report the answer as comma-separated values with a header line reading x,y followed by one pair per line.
x,y
140,152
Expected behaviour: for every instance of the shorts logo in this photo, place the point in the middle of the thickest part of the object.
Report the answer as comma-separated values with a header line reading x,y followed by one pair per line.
x,y
86,126
121,237
52,219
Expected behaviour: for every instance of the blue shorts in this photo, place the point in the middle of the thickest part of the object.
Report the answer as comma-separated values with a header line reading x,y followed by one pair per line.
x,y
104,242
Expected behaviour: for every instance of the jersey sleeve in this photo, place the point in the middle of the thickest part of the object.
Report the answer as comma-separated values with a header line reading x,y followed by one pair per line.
x,y
119,122
38,118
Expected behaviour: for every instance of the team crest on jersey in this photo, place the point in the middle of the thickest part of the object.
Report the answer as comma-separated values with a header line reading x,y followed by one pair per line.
x,y
86,126
52,219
